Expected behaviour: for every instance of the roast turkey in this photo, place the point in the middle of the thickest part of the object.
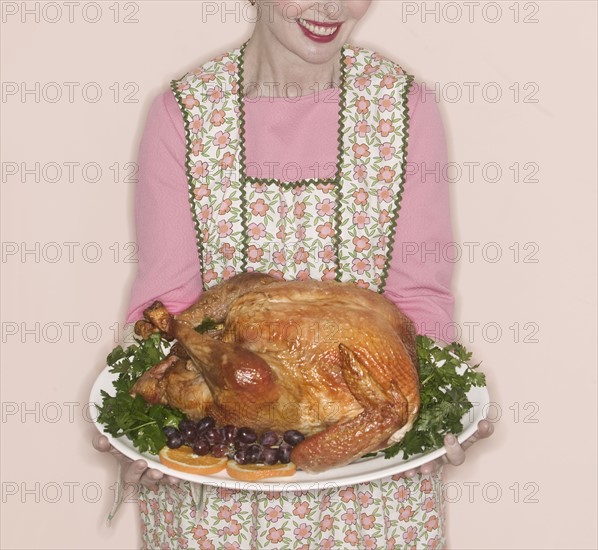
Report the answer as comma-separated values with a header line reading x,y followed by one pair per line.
x,y
332,360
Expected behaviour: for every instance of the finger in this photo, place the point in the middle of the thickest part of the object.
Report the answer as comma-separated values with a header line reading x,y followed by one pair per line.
x,y
455,454
485,429
410,473
150,479
430,467
171,479
134,472
100,443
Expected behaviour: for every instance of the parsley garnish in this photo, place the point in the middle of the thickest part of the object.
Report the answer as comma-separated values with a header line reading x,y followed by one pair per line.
x,y
122,414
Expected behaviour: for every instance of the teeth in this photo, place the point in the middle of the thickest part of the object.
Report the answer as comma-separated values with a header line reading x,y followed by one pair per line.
x,y
316,29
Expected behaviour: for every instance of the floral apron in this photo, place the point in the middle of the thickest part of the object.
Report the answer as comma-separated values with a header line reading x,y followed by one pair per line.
x,y
339,228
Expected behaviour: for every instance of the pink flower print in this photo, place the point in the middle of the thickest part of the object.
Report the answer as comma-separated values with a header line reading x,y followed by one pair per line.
x,y
198,71
325,503
233,528
170,531
367,521
362,128
168,516
386,174
232,546
231,68
278,258
385,127
205,213
329,274
303,275
259,208
225,206
361,219
379,261
189,102
351,538
197,146
369,543
224,513
260,187
224,493
325,230
370,69
273,514
225,184
429,504
300,233
350,61
299,209
275,535
218,117
182,86
301,256
281,233
347,495
222,139
225,228
226,161
328,543
365,497
405,513
228,272
210,276
143,507
387,81
154,504
205,235
327,254
199,532
361,243
382,241
257,230
183,543
254,253
431,524
215,95
200,170
361,150
326,523
363,105
425,486
276,273
301,509
433,543
207,545
410,535
349,517
325,208
359,173
362,82
383,217
208,77
303,531
360,196
386,103
386,151
196,124
165,546
282,209
325,187
227,251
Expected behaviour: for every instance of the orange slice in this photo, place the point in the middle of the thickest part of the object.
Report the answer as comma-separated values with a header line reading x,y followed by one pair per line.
x,y
184,460
254,472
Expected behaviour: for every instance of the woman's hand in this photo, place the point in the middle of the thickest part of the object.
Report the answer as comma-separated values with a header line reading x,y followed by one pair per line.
x,y
455,453
134,472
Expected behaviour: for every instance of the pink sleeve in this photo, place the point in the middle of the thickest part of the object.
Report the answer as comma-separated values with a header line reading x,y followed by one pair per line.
x,y
419,278
168,267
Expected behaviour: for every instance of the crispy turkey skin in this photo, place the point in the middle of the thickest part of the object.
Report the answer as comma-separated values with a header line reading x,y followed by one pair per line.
x,y
332,360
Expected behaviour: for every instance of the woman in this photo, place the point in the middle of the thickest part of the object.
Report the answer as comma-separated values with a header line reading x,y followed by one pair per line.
x,y
292,152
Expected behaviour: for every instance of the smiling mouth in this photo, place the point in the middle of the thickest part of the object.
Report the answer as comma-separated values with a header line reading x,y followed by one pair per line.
x,y
319,29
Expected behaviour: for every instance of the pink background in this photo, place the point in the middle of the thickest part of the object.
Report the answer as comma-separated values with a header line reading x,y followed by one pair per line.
x,y
531,322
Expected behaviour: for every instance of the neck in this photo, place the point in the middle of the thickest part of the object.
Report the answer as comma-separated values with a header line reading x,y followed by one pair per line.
x,y
271,70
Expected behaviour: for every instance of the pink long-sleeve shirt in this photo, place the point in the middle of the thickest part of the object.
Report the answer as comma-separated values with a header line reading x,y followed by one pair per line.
x,y
279,134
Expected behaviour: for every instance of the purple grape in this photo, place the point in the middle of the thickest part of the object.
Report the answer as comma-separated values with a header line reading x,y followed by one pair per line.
x,y
213,435
269,439
201,446
293,437
205,423
246,435
169,430
284,453
175,440
269,456
240,457
230,433
253,454
219,450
